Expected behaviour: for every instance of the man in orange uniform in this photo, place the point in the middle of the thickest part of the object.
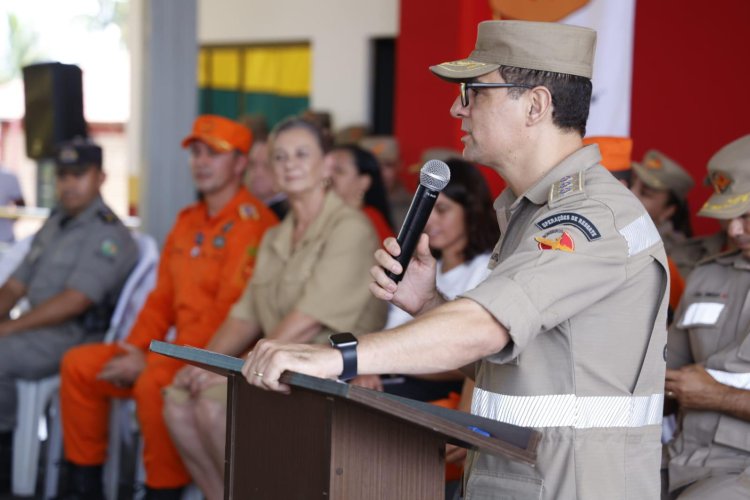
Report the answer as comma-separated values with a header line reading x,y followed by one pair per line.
x,y
206,261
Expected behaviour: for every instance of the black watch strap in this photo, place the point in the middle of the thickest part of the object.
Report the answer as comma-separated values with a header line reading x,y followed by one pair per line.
x,y
346,343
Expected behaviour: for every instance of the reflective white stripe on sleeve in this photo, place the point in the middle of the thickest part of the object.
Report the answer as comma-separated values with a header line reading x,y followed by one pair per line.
x,y
569,410
640,234
738,380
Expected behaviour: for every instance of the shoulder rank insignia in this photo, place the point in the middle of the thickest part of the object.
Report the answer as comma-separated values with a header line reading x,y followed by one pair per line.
x,y
572,219
248,211
107,216
566,188
108,248
556,240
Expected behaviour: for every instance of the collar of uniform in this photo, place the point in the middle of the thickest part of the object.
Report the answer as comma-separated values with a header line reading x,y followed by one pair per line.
x,y
741,262
88,213
283,243
587,156
581,159
229,211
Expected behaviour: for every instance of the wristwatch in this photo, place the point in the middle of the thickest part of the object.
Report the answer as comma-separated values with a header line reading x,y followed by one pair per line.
x,y
346,343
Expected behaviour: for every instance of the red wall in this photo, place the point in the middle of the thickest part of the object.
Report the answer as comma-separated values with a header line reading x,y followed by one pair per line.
x,y
431,33
691,79
691,83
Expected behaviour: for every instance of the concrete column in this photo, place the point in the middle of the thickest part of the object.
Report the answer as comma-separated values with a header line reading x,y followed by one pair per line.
x,y
164,48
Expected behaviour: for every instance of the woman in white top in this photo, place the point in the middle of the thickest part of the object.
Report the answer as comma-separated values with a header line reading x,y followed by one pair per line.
x,y
462,231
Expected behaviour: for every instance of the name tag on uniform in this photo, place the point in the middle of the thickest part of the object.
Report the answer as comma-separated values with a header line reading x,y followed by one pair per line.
x,y
701,313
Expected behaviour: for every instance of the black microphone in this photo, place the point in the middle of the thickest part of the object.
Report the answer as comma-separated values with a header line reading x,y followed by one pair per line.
x,y
433,177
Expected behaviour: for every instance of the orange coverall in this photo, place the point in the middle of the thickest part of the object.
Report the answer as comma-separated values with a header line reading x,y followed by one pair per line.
x,y
203,269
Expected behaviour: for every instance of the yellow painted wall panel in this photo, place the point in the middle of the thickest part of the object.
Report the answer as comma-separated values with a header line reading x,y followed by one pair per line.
x,y
225,68
282,70
203,79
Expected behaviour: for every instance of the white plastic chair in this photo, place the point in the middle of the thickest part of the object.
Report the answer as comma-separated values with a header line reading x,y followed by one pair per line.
x,y
34,395
12,257
31,396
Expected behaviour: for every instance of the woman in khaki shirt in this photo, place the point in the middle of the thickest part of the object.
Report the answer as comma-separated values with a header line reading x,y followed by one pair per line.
x,y
311,279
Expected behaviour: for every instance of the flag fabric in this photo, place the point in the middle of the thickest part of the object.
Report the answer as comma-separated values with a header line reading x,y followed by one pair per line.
x,y
273,81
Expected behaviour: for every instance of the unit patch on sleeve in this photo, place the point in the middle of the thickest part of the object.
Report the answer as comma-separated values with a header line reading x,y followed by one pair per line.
x,y
556,239
575,220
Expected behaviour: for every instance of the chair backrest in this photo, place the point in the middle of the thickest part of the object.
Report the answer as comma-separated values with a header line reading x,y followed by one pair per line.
x,y
140,282
13,256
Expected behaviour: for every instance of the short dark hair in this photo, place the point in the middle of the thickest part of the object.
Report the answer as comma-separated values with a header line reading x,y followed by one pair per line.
x,y
681,217
293,122
571,94
367,164
468,188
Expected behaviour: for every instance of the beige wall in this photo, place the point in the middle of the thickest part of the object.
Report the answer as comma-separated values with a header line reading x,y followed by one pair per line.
x,y
339,32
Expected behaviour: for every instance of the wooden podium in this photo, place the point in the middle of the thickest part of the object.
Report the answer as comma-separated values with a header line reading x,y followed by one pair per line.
x,y
330,440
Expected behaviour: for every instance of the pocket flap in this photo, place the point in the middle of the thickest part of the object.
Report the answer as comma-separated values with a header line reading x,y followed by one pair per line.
x,y
733,432
500,486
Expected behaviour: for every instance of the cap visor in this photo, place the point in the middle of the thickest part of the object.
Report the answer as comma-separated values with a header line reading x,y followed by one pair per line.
x,y
464,69
647,177
73,168
726,206
219,145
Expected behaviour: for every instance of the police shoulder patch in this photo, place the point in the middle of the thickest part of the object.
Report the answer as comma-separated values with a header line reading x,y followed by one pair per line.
x,y
569,187
571,219
107,216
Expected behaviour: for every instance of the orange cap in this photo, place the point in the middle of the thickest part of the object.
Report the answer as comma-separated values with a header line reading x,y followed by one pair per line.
x,y
222,134
616,151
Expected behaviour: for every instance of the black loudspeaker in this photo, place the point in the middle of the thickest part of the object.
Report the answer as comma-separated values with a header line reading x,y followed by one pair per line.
x,y
54,107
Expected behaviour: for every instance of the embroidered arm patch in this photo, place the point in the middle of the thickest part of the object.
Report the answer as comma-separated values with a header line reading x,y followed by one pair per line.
x,y
572,219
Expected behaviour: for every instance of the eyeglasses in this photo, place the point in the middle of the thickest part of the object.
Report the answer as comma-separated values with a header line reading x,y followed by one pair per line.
x,y
465,86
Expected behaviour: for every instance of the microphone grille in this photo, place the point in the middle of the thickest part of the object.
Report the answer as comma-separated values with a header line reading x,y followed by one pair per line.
x,y
435,175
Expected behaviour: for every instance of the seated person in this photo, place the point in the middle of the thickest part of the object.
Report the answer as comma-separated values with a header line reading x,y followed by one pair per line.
x,y
206,261
708,354
616,157
77,265
259,177
386,150
462,231
356,179
10,194
662,186
311,280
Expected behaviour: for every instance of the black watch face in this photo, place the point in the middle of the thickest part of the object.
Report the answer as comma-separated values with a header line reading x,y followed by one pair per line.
x,y
343,339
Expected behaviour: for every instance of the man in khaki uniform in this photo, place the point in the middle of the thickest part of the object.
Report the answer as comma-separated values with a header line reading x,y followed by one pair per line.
x,y
662,185
709,350
693,250
569,328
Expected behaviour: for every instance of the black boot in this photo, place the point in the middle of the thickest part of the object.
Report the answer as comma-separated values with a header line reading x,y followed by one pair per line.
x,y
6,458
163,493
83,482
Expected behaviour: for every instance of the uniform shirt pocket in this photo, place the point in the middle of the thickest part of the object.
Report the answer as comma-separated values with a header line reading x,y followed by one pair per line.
x,y
483,486
732,432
